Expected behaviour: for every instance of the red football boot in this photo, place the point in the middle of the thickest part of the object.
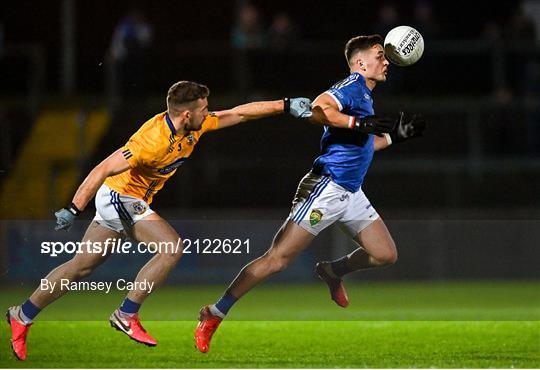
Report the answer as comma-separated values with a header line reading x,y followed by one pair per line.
x,y
337,289
19,331
131,326
208,324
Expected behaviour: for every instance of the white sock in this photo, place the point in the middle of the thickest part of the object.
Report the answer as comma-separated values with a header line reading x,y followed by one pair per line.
x,y
214,311
125,314
19,314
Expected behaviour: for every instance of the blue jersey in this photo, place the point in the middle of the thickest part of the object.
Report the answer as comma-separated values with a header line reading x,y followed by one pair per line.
x,y
346,154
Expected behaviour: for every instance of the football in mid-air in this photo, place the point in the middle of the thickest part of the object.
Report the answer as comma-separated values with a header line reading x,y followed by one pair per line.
x,y
403,46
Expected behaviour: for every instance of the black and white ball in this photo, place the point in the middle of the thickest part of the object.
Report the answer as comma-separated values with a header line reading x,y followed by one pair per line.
x,y
403,46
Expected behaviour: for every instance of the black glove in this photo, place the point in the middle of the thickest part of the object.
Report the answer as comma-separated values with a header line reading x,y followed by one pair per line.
x,y
372,125
407,127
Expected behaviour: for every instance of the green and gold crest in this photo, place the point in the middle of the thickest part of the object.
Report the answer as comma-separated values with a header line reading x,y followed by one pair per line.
x,y
315,217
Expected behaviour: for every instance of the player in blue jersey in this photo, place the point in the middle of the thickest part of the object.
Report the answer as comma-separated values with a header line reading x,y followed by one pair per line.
x,y
331,192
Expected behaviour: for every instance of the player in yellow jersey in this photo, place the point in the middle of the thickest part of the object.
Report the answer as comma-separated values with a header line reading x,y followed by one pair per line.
x,y
124,185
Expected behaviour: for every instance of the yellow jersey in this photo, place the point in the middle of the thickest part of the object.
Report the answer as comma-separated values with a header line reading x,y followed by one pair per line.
x,y
154,153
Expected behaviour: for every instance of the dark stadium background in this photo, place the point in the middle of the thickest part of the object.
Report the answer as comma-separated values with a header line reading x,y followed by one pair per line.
x,y
462,202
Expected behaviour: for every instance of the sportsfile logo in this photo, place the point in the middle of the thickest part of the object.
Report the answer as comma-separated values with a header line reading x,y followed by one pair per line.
x,y
110,245
119,246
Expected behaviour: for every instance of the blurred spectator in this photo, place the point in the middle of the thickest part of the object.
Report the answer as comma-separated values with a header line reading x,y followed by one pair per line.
x,y
129,48
388,19
283,32
131,36
532,9
502,125
1,39
424,20
491,32
248,31
520,27
531,90
247,39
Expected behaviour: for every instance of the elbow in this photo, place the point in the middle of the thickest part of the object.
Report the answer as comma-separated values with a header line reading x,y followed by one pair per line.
x,y
314,120
101,171
319,117
324,115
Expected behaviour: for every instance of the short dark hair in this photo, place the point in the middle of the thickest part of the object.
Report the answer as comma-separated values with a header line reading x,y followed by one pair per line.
x,y
185,92
361,43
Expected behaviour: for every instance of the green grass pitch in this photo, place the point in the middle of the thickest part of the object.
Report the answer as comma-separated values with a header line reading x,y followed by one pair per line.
x,y
387,325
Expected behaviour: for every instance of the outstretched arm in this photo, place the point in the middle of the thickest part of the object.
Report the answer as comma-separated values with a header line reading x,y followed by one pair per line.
x,y
112,165
297,107
249,111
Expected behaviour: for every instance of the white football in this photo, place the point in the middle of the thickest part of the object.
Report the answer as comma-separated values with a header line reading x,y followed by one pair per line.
x,y
403,46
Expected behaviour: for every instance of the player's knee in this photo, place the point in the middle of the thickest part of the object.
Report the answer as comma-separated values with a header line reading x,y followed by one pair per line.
x,y
78,268
174,255
388,258
83,271
278,264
